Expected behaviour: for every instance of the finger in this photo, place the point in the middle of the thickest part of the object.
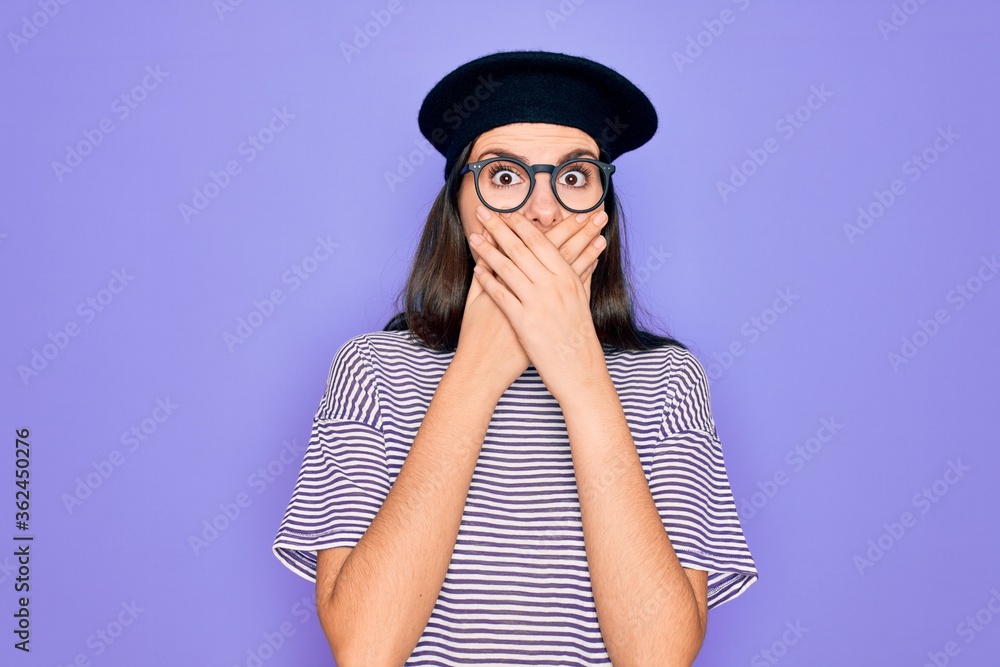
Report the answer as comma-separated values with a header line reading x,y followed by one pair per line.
x,y
500,265
587,274
475,288
527,247
567,229
585,235
506,301
589,254
493,242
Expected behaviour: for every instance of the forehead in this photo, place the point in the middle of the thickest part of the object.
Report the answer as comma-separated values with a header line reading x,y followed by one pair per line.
x,y
535,138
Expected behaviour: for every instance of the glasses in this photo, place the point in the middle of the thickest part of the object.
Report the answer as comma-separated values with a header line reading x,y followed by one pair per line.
x,y
504,184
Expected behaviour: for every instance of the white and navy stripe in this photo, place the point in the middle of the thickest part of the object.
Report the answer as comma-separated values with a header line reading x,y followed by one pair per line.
x,y
517,591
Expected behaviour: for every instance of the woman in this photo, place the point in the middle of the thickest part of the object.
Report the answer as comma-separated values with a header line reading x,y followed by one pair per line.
x,y
512,472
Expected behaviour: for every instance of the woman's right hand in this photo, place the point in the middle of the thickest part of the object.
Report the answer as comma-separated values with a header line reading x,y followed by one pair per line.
x,y
487,343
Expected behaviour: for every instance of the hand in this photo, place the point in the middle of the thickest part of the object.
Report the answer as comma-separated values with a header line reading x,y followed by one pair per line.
x,y
487,338
543,294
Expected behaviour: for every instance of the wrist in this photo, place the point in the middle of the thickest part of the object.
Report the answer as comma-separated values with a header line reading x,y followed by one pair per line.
x,y
475,378
584,379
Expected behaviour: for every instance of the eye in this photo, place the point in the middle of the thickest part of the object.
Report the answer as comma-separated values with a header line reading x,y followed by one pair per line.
x,y
505,175
575,176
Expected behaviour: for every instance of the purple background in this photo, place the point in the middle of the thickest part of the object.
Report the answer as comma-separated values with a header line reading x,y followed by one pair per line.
x,y
161,337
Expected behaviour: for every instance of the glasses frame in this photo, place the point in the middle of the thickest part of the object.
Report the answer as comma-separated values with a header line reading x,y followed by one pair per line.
x,y
550,169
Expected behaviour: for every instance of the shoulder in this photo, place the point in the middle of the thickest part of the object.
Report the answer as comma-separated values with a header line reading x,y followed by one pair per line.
x,y
667,363
388,354
366,345
672,376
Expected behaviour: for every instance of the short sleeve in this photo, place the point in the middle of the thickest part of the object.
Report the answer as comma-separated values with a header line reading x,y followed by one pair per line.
x,y
690,488
344,477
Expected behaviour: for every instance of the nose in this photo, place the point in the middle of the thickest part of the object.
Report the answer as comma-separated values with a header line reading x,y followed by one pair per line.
x,y
542,207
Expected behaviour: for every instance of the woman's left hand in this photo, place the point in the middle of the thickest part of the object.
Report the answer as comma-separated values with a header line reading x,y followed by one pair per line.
x,y
544,300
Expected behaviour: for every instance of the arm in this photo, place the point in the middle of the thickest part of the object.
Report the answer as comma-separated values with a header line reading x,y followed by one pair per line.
x,y
650,609
377,607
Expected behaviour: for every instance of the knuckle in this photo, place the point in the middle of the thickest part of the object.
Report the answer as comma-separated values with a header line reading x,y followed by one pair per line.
x,y
517,251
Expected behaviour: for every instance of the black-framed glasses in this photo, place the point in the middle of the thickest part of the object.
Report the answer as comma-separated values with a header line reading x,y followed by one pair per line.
x,y
504,184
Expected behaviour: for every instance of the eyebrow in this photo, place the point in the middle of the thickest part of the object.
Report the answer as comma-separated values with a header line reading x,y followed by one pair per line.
x,y
502,152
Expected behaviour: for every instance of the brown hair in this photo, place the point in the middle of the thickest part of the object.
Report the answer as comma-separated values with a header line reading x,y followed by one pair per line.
x,y
441,274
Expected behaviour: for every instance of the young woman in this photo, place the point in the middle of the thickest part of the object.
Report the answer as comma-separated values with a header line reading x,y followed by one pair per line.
x,y
512,472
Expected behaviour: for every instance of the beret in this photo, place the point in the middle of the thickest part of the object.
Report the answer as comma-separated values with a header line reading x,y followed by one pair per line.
x,y
535,87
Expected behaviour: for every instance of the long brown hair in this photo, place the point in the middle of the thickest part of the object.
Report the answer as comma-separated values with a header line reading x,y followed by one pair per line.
x,y
441,274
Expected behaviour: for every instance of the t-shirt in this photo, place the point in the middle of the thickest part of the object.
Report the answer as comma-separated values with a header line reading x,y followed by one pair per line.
x,y
517,590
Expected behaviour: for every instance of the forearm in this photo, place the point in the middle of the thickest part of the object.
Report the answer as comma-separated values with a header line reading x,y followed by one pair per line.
x,y
387,587
646,606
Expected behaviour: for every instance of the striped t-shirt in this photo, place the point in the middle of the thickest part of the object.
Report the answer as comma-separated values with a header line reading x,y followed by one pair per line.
x,y
517,590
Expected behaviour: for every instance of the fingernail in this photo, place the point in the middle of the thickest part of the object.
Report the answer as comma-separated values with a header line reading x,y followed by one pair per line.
x,y
475,238
600,242
580,217
600,218
483,213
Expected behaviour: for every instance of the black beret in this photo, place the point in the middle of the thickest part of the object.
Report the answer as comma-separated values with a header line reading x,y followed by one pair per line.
x,y
535,87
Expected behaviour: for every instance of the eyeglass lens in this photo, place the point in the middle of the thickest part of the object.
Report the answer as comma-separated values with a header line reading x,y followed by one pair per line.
x,y
504,184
